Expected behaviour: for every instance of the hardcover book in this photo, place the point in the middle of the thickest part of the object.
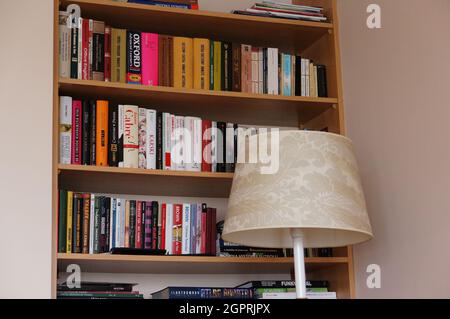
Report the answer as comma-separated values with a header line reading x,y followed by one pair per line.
x,y
76,132
113,136
177,229
65,130
102,133
142,132
130,136
107,57
183,63
201,64
98,51
85,128
149,58
118,55
64,44
134,57
150,150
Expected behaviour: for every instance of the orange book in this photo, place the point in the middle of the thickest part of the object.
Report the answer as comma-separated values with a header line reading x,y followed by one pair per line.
x,y
183,63
102,134
201,64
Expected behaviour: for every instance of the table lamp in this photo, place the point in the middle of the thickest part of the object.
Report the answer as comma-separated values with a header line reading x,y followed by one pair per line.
x,y
314,199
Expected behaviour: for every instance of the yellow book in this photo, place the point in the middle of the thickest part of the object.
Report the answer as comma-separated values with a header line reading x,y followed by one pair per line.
x,y
183,63
217,66
118,55
69,222
201,64
311,80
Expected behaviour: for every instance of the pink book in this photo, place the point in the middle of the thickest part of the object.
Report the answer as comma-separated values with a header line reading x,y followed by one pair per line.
x,y
149,58
76,132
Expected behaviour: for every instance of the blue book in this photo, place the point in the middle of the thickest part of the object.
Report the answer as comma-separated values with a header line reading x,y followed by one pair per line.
x,y
203,293
287,82
162,4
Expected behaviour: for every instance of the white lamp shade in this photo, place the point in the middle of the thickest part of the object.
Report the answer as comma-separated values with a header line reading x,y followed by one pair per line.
x,y
317,189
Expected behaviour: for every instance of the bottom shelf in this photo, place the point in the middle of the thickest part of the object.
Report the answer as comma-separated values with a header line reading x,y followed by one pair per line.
x,y
107,263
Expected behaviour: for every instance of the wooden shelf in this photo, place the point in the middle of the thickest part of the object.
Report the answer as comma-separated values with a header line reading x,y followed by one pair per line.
x,y
291,35
144,182
189,264
236,107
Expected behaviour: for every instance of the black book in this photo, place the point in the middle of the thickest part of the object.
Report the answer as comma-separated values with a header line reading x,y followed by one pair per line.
x,y
265,77
159,140
134,66
132,235
97,223
231,154
221,146
298,75
85,128
113,136
227,67
103,217
322,81
74,33
76,223
143,207
107,224
92,131
155,210
98,286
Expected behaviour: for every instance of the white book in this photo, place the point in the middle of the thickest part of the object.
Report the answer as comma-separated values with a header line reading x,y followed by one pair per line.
x,y
272,71
80,48
196,165
261,71
142,133
65,129
151,139
188,146
186,230
91,223
120,134
214,146
179,144
307,78
293,295
121,222
255,70
229,147
167,136
169,224
173,153
111,223
198,234
64,45
130,136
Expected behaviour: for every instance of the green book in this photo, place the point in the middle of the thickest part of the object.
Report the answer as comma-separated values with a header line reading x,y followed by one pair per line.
x,y
62,221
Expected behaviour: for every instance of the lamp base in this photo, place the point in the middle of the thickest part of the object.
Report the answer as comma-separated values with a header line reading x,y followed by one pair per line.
x,y
299,263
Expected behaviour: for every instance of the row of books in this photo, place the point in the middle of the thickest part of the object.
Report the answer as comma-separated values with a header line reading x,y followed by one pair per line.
x,y
274,9
91,224
89,50
98,290
105,134
266,289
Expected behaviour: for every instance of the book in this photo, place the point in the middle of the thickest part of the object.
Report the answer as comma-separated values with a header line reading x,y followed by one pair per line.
x,y
159,140
183,62
62,221
206,146
181,4
217,65
283,284
150,139
113,135
165,60
214,146
226,71
202,293
79,49
139,229
85,139
292,295
272,71
74,34
142,136
159,227
134,58
102,133
230,147
201,64
86,286
149,44
120,130
91,223
65,130
186,232
118,55
86,61
107,57
113,224
168,127
321,81
246,68
236,67
97,295
203,224
76,132
132,230
86,206
76,220
255,69
126,234
98,50
163,222
211,65
221,146
177,229
64,44
92,132
155,218
130,136
69,220
148,225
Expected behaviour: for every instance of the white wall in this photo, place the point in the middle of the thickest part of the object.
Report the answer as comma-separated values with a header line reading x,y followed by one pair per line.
x,y
26,65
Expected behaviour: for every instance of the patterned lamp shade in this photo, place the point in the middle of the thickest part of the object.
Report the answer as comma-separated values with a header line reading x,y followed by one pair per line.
x,y
317,189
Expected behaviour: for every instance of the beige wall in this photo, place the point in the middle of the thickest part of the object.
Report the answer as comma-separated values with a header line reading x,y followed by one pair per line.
x,y
397,93
25,166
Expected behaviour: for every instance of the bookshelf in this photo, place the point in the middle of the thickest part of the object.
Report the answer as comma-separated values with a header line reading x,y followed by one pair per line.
x,y
318,41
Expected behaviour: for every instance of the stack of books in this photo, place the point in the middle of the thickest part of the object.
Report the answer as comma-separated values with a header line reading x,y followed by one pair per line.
x,y
92,223
181,4
101,133
98,290
93,50
286,11
203,293
285,289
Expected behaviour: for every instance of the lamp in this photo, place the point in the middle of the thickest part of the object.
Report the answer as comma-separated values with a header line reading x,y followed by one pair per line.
x,y
314,200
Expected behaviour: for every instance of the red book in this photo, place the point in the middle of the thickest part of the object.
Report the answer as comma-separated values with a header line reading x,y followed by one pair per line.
x,y
206,146
213,231
162,243
107,60
149,51
203,230
85,74
76,132
177,228
138,234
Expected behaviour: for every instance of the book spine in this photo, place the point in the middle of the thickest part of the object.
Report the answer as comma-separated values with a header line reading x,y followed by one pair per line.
x,y
107,57
102,225
198,227
203,229
92,132
265,71
62,221
65,130
261,71
86,227
213,146
148,226
180,143
211,65
85,158
120,132
229,148
127,225
177,229
183,63
118,55
85,51
64,44
74,49
69,222
98,51
159,140
236,73
167,136
255,69
201,64
155,213
169,229
113,224
90,47
142,140
113,135
162,63
91,223
221,146
150,139
149,45
217,65
193,225
107,235
77,223
197,145
76,132
286,74
208,230
102,133
138,235
159,228
143,206
134,65
173,143
206,146
213,232
322,90
80,46
132,230
163,221
130,137
246,71
272,71
186,232
121,203
311,80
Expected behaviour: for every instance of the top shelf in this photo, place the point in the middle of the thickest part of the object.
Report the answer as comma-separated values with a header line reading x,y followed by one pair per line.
x,y
289,35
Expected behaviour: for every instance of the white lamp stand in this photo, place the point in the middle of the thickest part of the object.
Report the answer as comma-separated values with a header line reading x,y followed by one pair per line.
x,y
299,263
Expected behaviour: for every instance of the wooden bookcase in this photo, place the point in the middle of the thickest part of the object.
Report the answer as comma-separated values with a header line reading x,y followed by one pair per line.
x,y
317,41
